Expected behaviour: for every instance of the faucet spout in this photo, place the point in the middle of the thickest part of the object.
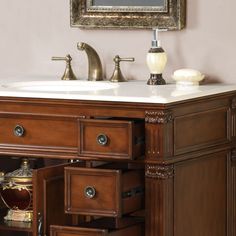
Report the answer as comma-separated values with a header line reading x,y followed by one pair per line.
x,y
95,66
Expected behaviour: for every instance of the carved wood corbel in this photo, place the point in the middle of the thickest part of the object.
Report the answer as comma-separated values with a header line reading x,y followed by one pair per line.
x,y
233,118
158,117
233,103
159,171
233,155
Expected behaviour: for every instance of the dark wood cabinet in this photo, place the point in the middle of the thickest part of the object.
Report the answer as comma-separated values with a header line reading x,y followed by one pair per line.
x,y
184,152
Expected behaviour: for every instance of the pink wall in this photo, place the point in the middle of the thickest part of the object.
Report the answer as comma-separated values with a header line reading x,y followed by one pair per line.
x,y
31,31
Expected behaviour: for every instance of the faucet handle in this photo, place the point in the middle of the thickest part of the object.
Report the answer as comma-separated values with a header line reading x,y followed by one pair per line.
x,y
117,59
117,74
68,74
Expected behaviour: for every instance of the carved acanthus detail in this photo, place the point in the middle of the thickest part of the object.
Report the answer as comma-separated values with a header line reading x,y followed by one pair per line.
x,y
233,103
159,117
159,171
233,118
233,154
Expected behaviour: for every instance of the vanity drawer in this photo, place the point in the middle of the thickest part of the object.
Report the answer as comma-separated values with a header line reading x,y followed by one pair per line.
x,y
35,131
136,230
103,192
118,139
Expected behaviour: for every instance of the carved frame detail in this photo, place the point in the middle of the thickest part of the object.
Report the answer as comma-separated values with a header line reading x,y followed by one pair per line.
x,y
173,18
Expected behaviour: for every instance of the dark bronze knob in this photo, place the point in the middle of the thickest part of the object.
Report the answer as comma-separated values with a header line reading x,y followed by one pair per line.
x,y
90,192
19,131
102,139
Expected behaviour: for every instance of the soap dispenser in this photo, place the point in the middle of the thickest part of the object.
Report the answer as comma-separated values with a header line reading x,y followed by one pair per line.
x,y
156,61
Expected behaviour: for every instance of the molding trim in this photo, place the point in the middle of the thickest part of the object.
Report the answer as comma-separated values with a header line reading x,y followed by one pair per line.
x,y
158,117
159,171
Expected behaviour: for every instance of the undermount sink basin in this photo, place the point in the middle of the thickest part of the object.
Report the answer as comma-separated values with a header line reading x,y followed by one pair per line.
x,y
60,86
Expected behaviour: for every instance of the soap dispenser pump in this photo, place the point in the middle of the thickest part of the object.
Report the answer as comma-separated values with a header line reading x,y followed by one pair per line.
x,y
156,61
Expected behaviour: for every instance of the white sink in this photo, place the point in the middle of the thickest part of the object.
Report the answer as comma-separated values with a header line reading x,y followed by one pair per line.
x,y
60,86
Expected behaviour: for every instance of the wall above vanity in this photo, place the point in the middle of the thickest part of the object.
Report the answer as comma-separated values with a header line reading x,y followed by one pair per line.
x,y
164,14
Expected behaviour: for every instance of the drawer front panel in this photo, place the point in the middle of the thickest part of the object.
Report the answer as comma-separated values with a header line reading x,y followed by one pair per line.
x,y
38,131
92,191
135,230
76,231
110,139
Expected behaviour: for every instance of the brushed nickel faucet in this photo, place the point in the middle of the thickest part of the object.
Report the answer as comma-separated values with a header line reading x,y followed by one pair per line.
x,y
95,66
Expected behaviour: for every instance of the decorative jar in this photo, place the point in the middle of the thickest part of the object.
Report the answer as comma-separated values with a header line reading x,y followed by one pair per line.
x,y
16,193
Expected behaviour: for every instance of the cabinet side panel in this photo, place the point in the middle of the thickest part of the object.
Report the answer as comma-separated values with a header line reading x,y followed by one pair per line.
x,y
200,202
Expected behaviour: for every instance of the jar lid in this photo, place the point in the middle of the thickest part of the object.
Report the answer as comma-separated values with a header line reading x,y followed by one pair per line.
x,y
23,174
1,176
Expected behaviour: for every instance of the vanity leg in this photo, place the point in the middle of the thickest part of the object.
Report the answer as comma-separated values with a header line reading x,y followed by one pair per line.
x,y
159,178
159,200
232,194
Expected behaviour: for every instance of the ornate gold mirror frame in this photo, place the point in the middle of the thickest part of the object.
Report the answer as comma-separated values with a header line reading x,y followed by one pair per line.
x,y
170,14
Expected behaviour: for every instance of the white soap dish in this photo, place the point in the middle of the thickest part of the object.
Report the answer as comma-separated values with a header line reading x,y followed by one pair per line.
x,y
187,77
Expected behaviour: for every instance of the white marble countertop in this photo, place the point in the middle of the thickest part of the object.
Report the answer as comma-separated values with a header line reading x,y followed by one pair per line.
x,y
132,91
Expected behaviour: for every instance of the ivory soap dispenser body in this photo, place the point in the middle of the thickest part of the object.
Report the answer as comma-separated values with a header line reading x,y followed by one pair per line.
x,y
156,61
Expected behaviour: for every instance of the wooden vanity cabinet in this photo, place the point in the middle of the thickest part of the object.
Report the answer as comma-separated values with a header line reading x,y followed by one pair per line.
x,y
189,157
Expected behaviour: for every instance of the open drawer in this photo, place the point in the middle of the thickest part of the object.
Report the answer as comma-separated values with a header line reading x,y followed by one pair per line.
x,y
111,138
103,192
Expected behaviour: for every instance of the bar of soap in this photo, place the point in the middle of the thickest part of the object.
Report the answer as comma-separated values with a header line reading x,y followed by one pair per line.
x,y
187,76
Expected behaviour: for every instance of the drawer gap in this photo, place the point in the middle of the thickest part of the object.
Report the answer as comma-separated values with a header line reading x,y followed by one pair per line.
x,y
111,223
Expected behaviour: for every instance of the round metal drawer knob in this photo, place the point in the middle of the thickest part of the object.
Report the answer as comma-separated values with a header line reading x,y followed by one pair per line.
x,y
102,139
19,131
90,192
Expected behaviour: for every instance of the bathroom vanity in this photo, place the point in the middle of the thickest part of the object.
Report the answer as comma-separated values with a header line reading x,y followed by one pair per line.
x,y
178,146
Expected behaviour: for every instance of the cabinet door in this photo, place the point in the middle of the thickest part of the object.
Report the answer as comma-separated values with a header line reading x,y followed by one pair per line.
x,y
48,198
